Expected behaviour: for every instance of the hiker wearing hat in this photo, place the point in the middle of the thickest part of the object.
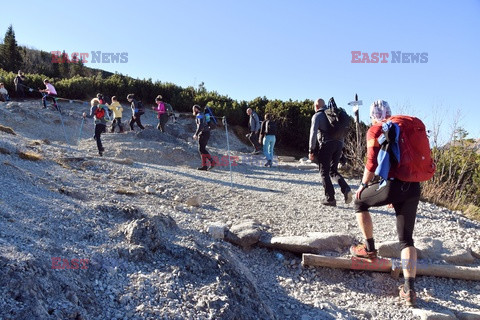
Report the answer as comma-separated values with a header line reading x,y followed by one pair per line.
x,y
98,112
49,92
328,155
137,111
202,134
404,196
162,113
117,110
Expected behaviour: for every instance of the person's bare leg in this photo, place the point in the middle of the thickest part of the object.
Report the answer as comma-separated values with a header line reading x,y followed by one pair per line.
x,y
365,223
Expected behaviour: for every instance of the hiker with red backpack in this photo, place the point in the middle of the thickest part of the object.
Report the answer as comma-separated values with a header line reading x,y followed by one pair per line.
x,y
398,154
330,142
137,111
98,112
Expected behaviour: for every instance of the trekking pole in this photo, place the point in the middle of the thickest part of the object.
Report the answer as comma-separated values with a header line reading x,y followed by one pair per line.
x,y
63,125
224,120
80,133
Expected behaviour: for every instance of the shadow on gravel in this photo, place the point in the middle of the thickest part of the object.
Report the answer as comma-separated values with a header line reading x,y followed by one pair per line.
x,y
212,180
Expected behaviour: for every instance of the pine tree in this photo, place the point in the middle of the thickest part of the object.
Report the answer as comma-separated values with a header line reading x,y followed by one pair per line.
x,y
10,57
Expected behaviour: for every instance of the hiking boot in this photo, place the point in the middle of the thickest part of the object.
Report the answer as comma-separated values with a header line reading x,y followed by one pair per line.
x,y
204,168
409,297
100,153
360,251
331,203
348,196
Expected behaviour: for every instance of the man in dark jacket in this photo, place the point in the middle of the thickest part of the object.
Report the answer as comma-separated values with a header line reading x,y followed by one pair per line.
x,y
202,134
254,127
18,81
328,154
136,112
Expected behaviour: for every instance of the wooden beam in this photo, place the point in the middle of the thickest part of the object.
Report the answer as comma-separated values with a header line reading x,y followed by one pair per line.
x,y
386,265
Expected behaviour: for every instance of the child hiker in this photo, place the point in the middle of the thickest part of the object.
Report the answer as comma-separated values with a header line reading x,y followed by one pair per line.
x,y
137,111
98,112
202,134
48,92
162,113
117,109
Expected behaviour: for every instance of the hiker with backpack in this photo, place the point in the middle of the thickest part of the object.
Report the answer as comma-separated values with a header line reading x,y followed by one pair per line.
x,y
254,128
330,143
98,112
48,92
398,158
117,110
162,113
202,134
137,111
268,133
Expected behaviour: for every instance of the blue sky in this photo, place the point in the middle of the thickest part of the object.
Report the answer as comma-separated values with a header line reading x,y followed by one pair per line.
x,y
279,49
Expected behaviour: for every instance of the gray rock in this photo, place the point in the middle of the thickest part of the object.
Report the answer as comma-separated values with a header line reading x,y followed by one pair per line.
x,y
194,201
312,243
459,257
244,234
468,316
389,249
217,230
150,232
433,315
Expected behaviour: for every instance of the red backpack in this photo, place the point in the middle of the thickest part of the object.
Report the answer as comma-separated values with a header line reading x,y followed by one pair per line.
x,y
99,112
416,163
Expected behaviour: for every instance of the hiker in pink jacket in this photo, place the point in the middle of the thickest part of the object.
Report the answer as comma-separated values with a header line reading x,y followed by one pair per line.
x,y
162,113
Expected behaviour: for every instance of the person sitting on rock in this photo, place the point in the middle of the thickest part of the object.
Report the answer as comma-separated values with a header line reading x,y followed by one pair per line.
x,y
4,93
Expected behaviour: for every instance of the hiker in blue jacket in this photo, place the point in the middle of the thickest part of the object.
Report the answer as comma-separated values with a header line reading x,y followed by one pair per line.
x,y
328,155
202,134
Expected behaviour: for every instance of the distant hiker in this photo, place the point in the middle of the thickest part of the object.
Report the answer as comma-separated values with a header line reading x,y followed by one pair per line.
x,y
98,112
101,99
18,81
202,135
117,110
49,92
254,128
4,93
137,111
328,154
404,196
162,113
268,133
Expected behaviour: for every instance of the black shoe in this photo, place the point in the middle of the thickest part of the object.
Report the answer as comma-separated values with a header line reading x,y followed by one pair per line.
x,y
204,168
100,153
348,196
332,203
